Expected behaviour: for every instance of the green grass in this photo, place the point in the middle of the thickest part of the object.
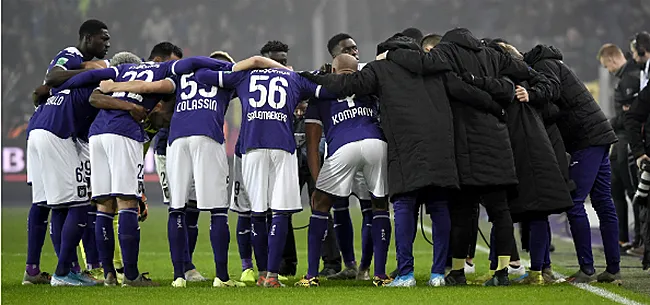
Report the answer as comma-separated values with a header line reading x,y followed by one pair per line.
x,y
154,258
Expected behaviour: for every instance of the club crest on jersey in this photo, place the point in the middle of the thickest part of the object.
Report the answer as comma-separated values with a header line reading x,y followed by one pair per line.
x,y
82,191
61,61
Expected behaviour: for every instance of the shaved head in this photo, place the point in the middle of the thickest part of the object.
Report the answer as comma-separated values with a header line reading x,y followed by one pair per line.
x,y
345,63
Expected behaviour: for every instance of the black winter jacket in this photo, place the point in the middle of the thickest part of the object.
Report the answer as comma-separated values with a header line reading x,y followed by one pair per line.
x,y
625,93
582,122
483,149
635,119
416,118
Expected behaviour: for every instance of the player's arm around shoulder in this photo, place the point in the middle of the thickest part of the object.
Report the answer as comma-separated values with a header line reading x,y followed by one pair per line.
x,y
102,101
164,86
257,62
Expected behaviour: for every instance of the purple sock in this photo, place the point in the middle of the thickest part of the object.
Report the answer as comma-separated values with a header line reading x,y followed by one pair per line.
x,y
260,233
192,220
88,239
439,213
74,266
105,238
344,231
220,240
316,235
73,228
56,226
36,230
538,243
277,240
381,232
366,235
244,240
177,237
128,231
403,206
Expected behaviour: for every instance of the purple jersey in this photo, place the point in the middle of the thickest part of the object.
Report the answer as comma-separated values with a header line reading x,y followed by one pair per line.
x,y
269,97
67,113
49,118
200,109
69,58
120,122
345,120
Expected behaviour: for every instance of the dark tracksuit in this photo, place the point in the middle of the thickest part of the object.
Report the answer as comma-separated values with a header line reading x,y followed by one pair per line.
x,y
624,174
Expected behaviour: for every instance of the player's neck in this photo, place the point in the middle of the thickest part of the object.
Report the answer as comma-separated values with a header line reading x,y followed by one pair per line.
x,y
86,55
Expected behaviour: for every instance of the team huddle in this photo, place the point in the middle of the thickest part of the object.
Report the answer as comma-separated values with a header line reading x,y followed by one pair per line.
x,y
95,119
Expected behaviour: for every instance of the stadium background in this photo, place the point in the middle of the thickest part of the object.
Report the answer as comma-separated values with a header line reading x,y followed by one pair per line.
x,y
33,31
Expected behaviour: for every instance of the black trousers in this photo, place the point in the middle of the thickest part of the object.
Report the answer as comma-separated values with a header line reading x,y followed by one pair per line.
x,y
624,182
465,205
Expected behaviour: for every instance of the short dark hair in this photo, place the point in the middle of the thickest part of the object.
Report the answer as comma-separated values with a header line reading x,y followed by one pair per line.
x,y
414,33
274,46
334,41
642,40
165,49
91,27
433,39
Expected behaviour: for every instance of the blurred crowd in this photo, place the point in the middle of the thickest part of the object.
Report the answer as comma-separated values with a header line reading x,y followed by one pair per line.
x,y
33,31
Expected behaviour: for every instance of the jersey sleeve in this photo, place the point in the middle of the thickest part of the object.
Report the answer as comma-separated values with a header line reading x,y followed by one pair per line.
x,y
309,89
229,79
208,77
89,78
67,60
313,115
191,64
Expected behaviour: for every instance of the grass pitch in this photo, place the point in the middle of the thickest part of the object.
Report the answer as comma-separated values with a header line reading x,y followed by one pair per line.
x,y
155,258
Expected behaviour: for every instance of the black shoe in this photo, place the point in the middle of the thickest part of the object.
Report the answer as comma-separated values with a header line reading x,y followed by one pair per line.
x,y
288,269
394,274
500,278
457,278
328,272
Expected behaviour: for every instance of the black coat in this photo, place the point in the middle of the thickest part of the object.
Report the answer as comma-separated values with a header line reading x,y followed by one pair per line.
x,y
483,150
542,188
415,117
625,94
582,122
636,117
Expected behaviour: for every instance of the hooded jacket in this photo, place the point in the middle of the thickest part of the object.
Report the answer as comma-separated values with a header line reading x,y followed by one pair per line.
x,y
581,121
415,117
483,149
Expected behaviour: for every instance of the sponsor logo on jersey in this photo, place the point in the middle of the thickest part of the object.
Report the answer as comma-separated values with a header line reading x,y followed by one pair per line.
x,y
61,61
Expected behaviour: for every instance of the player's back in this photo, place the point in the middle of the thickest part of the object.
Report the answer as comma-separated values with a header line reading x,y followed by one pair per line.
x,y
346,120
120,122
269,98
67,113
200,109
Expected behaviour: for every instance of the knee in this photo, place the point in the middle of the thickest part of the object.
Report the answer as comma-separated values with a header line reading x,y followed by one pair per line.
x,y
321,202
127,203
